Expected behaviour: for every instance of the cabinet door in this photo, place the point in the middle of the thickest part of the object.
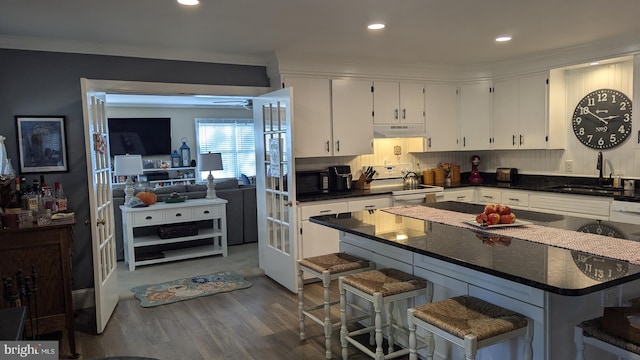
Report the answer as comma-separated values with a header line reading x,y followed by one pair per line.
x,y
386,107
441,117
463,195
505,114
489,196
532,111
411,103
352,117
475,115
312,109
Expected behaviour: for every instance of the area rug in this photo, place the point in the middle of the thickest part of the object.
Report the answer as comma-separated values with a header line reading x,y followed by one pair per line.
x,y
189,288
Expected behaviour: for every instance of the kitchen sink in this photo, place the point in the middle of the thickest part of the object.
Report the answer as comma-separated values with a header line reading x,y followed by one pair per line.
x,y
586,189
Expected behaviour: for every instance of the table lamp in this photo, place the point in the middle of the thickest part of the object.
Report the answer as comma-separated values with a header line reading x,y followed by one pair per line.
x,y
129,166
210,162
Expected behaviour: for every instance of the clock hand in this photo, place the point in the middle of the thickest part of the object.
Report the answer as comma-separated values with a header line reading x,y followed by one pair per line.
x,y
597,117
610,117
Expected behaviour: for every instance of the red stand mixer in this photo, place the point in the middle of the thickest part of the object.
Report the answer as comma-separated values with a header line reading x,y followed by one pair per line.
x,y
474,177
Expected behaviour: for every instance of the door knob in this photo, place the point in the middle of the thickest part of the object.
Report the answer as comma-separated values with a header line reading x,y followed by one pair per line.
x,y
101,222
288,203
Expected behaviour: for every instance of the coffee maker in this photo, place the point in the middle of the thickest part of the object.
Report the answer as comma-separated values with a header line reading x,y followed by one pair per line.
x,y
340,178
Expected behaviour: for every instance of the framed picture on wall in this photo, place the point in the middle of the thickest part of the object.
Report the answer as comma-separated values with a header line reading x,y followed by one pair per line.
x,y
42,144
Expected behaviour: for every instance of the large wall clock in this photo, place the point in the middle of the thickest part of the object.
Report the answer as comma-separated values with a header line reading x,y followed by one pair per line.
x,y
602,119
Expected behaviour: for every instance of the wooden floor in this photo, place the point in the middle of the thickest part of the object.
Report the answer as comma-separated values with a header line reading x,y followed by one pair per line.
x,y
260,322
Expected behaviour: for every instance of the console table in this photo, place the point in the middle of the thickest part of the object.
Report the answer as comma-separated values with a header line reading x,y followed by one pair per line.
x,y
140,231
47,247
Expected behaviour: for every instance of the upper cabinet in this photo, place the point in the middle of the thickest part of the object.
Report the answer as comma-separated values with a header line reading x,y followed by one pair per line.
x,y
331,117
441,117
352,108
475,115
311,101
520,118
398,103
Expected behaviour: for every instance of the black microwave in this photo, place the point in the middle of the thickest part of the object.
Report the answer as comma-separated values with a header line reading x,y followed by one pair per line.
x,y
312,182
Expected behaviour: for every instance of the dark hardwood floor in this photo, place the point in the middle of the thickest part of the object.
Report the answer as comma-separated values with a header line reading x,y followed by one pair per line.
x,y
260,322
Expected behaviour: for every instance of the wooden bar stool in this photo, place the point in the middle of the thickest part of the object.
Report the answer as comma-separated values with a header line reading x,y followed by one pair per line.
x,y
326,268
591,332
468,322
382,288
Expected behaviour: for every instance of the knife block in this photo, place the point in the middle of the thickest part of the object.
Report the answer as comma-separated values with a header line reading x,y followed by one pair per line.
x,y
361,183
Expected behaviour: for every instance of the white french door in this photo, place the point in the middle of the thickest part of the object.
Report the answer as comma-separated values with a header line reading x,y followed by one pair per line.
x,y
272,114
105,276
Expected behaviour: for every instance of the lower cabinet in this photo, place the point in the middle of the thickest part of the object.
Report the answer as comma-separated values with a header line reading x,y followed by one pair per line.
x,y
592,207
462,195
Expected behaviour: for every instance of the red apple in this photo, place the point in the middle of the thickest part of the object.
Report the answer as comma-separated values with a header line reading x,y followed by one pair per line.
x,y
493,218
505,219
513,218
481,218
503,209
490,208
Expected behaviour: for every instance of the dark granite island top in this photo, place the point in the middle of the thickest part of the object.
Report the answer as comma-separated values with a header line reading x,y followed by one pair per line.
x,y
545,267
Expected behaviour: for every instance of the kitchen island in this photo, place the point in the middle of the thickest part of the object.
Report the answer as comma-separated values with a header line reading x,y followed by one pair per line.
x,y
556,287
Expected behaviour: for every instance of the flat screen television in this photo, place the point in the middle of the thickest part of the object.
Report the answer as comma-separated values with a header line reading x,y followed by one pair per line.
x,y
140,136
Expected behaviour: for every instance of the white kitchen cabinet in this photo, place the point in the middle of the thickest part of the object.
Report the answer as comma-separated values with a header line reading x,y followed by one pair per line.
x,y
516,199
398,103
489,195
475,115
592,207
462,195
370,203
315,239
520,118
352,115
312,135
441,117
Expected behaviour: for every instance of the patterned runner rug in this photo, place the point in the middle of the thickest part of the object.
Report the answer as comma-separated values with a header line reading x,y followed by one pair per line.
x,y
620,249
188,288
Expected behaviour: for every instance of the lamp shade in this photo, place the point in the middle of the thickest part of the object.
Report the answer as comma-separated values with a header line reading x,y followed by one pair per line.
x,y
127,165
210,162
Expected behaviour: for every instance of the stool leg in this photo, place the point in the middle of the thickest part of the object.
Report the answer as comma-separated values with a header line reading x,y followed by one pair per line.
x,y
372,317
326,282
391,331
528,340
377,306
431,343
413,342
470,347
577,337
301,303
343,319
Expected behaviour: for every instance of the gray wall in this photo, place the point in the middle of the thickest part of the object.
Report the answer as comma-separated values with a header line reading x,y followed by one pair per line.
x,y
48,83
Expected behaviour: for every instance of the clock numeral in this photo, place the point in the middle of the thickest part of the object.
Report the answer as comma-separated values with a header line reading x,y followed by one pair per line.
x,y
589,137
612,138
591,101
602,97
578,120
622,130
601,141
601,129
623,106
613,98
584,110
627,117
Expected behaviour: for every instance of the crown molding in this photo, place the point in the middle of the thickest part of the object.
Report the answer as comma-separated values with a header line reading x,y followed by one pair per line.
x,y
94,48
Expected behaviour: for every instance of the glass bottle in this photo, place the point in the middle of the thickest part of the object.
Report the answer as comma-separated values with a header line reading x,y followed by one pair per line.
x,y
47,199
61,199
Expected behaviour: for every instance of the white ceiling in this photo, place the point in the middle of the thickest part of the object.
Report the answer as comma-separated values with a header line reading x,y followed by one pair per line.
x,y
455,32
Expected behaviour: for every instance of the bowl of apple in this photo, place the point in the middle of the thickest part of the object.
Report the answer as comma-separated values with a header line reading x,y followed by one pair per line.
x,y
497,215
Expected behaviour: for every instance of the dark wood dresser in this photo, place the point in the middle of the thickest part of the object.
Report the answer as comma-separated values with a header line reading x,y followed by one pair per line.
x,y
47,247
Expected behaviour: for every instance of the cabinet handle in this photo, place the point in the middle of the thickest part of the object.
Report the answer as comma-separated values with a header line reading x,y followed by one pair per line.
x,y
429,143
461,197
369,206
513,140
338,146
395,114
404,113
148,217
487,196
178,214
206,211
327,145
638,136
521,139
324,211
514,199
464,141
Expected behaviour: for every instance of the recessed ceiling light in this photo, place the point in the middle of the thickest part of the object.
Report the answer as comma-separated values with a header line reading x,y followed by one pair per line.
x,y
189,2
503,38
376,26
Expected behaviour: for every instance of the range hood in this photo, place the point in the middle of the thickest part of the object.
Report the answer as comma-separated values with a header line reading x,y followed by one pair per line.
x,y
398,130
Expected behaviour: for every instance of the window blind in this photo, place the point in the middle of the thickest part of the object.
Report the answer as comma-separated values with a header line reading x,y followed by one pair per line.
x,y
234,140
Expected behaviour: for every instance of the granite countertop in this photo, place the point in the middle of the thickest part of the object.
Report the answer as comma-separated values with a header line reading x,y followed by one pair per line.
x,y
545,267
541,183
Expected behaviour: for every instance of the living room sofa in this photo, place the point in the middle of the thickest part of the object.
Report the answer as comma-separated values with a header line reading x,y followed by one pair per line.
x,y
241,208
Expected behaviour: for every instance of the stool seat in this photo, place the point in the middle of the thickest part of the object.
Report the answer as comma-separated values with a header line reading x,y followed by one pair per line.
x,y
334,263
326,268
466,315
468,322
385,281
592,332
